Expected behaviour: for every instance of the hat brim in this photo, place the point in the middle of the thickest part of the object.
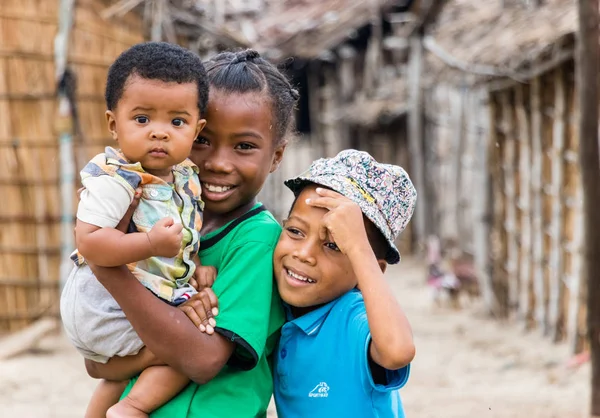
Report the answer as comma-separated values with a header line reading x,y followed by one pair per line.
x,y
297,184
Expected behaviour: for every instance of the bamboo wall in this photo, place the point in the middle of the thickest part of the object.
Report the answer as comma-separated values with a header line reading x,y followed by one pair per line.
x,y
536,196
29,182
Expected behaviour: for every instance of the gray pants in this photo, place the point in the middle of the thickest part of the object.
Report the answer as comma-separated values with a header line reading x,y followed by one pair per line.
x,y
94,321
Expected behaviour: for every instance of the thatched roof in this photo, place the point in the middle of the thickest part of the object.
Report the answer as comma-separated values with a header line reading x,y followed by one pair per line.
x,y
488,39
276,28
305,28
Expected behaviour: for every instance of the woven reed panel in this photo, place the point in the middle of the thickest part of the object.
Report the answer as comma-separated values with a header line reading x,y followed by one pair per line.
x,y
30,207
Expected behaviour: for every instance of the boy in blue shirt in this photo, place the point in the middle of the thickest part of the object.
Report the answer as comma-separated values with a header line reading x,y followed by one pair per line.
x,y
346,348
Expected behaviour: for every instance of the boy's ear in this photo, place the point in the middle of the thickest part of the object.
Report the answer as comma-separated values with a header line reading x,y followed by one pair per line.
x,y
277,156
112,124
382,265
201,124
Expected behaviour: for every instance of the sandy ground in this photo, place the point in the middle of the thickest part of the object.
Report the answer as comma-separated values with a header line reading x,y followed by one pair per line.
x,y
466,366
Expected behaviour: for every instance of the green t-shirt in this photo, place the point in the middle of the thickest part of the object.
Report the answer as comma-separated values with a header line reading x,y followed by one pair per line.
x,y
250,314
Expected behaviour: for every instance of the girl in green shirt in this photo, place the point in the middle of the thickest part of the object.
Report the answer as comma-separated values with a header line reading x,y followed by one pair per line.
x,y
249,117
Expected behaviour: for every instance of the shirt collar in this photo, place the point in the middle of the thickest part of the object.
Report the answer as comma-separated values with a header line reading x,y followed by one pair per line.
x,y
311,322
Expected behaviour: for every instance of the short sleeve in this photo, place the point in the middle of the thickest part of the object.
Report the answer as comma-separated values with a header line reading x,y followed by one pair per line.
x,y
359,332
103,202
244,287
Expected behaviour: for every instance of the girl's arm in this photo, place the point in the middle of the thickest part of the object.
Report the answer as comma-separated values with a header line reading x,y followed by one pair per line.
x,y
165,329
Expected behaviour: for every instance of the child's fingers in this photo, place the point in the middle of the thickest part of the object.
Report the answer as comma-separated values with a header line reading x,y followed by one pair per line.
x,y
324,202
207,276
193,282
213,301
176,228
328,193
192,314
207,316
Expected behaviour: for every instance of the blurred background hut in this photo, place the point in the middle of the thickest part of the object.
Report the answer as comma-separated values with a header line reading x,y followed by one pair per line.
x,y
347,57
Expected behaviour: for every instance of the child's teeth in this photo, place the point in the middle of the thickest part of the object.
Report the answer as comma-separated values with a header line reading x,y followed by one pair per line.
x,y
217,189
301,278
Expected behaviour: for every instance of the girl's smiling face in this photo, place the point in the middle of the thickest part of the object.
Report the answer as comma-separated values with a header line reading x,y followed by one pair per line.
x,y
236,151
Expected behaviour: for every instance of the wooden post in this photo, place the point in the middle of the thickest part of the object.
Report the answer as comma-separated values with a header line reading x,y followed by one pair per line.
x,y
588,55
486,137
314,108
498,234
458,103
555,320
331,138
572,229
525,307
508,170
536,192
415,137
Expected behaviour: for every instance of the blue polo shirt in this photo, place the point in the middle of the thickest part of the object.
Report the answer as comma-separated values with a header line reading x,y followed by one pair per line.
x,y
322,366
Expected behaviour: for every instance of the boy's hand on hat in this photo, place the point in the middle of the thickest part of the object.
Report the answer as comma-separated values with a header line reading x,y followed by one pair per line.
x,y
165,238
201,310
344,221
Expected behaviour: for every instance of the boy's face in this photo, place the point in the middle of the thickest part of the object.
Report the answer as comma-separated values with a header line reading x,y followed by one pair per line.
x,y
155,123
309,271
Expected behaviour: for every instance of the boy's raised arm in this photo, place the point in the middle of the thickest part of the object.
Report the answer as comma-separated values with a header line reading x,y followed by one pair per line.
x,y
392,345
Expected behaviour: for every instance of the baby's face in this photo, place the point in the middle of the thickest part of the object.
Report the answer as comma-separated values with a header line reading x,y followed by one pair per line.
x,y
309,271
155,123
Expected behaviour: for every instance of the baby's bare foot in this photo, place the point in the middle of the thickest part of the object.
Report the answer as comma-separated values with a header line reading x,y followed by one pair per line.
x,y
125,409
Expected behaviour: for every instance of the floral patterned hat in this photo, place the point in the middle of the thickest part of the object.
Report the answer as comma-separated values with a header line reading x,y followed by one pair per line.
x,y
384,192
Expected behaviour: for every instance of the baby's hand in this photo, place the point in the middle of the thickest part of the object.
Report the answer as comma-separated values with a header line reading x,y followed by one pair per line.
x,y
165,238
201,309
204,277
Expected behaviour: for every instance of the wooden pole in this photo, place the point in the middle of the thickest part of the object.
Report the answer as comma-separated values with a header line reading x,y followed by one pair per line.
x,y
536,192
555,261
524,134
508,170
415,136
588,55
64,128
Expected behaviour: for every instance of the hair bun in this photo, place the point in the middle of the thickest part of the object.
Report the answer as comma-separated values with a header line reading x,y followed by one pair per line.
x,y
246,55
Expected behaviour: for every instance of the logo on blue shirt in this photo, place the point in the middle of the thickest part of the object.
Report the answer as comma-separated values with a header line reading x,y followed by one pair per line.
x,y
320,391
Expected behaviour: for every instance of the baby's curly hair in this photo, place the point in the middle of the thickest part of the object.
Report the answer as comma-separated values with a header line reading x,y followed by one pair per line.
x,y
156,61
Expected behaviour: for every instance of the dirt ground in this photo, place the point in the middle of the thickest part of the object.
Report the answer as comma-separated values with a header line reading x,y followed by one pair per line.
x,y
466,366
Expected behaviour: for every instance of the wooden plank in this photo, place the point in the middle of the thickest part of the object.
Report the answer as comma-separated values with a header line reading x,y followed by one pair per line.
x,y
536,212
481,198
498,233
555,321
25,339
525,313
508,171
415,136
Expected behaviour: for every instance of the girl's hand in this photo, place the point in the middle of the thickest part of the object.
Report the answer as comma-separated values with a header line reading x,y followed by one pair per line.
x,y
343,223
204,277
201,309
